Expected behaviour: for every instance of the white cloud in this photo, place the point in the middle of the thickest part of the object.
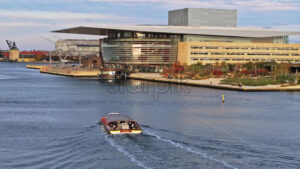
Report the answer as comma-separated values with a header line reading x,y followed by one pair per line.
x,y
269,5
254,5
246,5
24,24
58,15
290,27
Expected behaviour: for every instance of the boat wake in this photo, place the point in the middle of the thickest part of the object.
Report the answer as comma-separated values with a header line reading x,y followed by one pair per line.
x,y
121,149
6,77
190,149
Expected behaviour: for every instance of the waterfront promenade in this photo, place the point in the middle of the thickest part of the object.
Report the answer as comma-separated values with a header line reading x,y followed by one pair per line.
x,y
157,77
213,83
70,71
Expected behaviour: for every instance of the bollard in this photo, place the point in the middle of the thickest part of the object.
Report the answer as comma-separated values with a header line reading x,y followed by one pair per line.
x,y
223,98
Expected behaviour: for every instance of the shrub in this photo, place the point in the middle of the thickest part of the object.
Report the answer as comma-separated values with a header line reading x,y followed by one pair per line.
x,y
245,72
217,72
285,79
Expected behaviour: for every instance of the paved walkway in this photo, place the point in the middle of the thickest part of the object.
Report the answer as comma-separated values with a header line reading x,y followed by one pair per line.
x,y
212,83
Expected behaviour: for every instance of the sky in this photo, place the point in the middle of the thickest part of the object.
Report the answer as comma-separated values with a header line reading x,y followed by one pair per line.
x,y
29,22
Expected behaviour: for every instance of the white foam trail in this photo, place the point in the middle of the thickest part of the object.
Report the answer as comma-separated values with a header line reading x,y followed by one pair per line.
x,y
190,150
4,77
120,149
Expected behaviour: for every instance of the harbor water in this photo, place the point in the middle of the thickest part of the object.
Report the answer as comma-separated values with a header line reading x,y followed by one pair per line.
x,y
49,121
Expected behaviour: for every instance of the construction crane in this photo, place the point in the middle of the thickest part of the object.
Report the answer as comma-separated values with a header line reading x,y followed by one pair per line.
x,y
12,45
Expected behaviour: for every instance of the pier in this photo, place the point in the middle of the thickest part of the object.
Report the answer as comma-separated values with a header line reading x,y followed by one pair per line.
x,y
69,71
35,66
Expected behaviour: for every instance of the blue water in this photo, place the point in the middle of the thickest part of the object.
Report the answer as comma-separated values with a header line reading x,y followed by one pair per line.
x,y
49,121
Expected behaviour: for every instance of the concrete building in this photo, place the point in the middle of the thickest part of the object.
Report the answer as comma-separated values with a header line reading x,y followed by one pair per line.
x,y
203,17
77,47
189,44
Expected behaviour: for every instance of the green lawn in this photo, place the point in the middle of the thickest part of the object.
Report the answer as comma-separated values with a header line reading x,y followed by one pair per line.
x,y
262,81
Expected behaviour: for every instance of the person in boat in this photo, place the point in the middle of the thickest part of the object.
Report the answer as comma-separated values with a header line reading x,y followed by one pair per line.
x,y
132,125
113,125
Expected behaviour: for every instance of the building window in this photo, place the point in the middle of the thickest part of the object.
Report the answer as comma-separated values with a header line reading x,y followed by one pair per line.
x,y
198,53
211,47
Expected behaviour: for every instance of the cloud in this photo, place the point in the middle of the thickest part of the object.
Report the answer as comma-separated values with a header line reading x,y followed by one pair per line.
x,y
246,5
290,27
23,24
58,15
254,5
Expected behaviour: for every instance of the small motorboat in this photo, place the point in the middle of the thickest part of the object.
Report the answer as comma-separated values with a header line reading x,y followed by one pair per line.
x,y
115,123
111,74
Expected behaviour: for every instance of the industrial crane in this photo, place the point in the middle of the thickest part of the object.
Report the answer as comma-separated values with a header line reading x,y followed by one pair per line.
x,y
12,45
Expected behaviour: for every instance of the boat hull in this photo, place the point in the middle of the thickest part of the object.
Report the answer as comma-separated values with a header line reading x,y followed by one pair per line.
x,y
118,130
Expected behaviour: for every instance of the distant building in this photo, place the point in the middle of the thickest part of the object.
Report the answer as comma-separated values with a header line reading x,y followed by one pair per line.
x,y
14,54
1,54
4,54
192,36
77,47
27,58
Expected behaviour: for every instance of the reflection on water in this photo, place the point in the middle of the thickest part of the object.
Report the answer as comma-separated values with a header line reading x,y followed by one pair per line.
x,y
51,121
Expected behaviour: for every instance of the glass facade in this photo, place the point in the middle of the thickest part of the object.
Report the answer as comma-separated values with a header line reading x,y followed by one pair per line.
x,y
201,38
281,39
139,51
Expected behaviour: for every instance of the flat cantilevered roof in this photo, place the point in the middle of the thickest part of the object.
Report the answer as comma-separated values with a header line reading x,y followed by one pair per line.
x,y
186,30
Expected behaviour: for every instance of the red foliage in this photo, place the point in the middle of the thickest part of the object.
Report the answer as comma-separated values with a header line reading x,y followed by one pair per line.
x,y
245,71
217,72
177,68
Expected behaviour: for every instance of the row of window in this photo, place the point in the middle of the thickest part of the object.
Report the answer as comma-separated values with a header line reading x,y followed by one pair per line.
x,y
140,35
243,48
249,54
238,59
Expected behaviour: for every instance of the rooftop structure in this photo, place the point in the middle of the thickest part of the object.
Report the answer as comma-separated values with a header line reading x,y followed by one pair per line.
x,y
203,17
182,30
